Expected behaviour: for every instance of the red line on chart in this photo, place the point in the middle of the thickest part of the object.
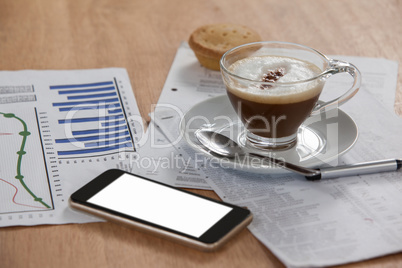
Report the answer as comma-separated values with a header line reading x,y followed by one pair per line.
x,y
16,191
6,134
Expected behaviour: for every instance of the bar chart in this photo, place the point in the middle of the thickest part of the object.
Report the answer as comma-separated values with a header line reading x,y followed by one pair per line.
x,y
93,120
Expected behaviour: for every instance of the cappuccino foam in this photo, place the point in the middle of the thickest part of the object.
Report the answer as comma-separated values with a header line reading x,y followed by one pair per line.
x,y
256,68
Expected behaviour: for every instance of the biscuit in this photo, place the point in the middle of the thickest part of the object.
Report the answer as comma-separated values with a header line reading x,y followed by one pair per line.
x,y
210,42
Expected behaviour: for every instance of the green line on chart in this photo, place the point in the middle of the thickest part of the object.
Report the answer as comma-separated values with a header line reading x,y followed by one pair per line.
x,y
25,133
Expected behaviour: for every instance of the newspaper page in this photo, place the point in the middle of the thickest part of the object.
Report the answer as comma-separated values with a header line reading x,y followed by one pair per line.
x,y
304,223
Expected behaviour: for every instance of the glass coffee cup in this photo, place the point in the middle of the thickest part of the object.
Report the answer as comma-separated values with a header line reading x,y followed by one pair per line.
x,y
275,86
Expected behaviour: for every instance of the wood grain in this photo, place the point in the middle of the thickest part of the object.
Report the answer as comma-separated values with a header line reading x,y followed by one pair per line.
x,y
143,36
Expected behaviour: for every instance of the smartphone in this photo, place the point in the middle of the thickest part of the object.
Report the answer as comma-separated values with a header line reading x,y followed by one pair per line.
x,y
168,212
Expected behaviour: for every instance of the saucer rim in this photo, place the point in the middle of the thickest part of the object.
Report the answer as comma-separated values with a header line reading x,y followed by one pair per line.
x,y
233,165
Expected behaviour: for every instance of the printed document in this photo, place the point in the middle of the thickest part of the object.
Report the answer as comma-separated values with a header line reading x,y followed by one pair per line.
x,y
304,223
59,130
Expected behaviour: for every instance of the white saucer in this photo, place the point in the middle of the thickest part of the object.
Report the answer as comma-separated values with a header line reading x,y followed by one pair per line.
x,y
321,139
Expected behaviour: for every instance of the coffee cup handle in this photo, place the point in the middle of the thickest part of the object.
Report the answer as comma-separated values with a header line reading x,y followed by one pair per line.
x,y
337,66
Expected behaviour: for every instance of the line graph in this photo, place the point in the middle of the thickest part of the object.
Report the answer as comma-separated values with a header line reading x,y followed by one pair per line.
x,y
18,186
15,195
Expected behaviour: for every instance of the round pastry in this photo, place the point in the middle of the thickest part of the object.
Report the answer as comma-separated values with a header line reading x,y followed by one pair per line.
x,y
210,42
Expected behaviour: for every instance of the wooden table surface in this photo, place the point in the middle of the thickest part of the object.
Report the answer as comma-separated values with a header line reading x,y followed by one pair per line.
x,y
143,36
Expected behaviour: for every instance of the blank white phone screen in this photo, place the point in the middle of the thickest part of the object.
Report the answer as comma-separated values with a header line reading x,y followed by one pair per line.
x,y
160,205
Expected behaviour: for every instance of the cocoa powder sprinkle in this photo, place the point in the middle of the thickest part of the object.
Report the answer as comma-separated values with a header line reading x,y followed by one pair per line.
x,y
272,76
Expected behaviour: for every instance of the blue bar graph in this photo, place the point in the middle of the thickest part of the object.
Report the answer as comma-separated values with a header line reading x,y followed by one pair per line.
x,y
98,131
85,102
114,111
90,119
95,150
83,85
91,138
109,142
75,91
93,118
92,96
113,123
74,108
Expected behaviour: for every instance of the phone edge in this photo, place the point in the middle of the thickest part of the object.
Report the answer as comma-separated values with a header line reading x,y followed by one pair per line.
x,y
162,233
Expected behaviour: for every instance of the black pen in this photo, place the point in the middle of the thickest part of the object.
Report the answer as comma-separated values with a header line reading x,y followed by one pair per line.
x,y
358,169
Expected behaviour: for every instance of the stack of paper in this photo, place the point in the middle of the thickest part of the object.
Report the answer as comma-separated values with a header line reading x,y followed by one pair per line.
x,y
307,224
